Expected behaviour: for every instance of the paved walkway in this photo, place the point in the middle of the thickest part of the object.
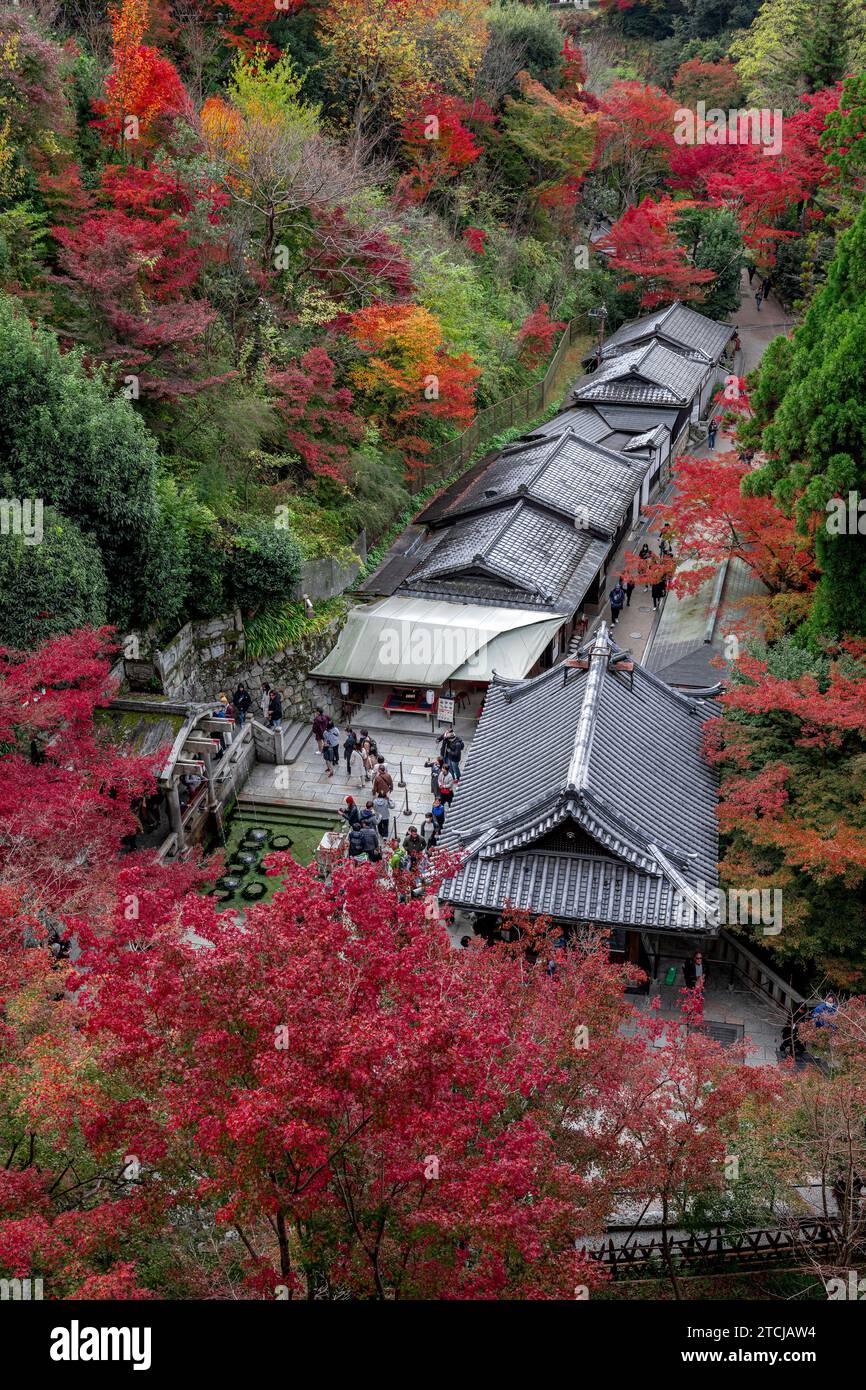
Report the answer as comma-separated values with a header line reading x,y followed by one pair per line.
x,y
757,1021
757,328
306,782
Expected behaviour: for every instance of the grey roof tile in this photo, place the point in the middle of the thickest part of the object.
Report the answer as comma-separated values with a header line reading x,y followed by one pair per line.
x,y
616,762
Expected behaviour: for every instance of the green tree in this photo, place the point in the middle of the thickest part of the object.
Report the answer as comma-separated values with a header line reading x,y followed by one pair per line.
x,y
714,242
810,412
68,438
49,585
264,563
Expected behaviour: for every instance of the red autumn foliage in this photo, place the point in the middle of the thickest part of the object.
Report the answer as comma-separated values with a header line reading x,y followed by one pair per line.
x,y
142,88
439,143
476,240
320,424
134,267
536,335
711,520
644,246
352,261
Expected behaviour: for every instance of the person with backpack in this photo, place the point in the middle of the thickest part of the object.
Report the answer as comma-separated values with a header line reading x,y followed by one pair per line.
x,y
242,701
357,846
368,754
370,836
331,746
617,601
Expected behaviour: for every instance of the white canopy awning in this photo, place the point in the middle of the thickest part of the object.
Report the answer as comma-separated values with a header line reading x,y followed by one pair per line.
x,y
413,641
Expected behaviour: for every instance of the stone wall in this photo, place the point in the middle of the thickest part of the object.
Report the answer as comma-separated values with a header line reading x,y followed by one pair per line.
x,y
288,672
207,657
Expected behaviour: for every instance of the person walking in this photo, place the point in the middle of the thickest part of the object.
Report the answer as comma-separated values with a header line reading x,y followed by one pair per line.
x,y
383,782
437,811
629,590
331,746
242,701
658,591
368,754
644,554
320,724
350,813
428,831
711,433
265,700
758,297
617,600
382,812
275,710
357,846
350,743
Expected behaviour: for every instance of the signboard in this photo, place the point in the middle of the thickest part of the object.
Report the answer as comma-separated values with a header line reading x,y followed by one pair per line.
x,y
445,711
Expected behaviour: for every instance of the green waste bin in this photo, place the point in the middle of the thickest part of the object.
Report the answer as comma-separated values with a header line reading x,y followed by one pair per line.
x,y
671,976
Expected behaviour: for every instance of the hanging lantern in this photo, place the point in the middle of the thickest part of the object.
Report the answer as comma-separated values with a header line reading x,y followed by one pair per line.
x,y
431,696
344,687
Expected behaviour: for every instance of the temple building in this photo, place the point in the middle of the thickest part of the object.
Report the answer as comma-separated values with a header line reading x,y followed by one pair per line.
x,y
585,797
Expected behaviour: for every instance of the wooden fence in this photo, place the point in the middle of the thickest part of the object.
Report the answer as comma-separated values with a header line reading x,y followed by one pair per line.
x,y
522,406
645,1257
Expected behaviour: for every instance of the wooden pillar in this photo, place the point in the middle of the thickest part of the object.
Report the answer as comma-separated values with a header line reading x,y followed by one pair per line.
x,y
174,812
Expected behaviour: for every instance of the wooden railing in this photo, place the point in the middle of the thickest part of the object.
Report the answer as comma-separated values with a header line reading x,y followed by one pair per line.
x,y
717,1245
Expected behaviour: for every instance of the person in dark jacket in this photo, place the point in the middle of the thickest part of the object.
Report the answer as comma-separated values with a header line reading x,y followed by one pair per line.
x,y
350,812
356,843
350,743
413,844
275,710
658,591
617,600
242,701
320,724
451,747
694,970
372,847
